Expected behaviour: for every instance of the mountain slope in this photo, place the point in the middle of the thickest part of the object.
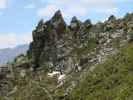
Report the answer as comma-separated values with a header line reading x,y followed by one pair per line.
x,y
9,54
69,62
111,80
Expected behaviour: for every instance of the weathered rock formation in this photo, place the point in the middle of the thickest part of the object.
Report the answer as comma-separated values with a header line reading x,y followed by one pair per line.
x,y
50,43
55,43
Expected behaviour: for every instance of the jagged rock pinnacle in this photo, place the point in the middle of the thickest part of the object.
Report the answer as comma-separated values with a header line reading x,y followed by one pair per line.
x,y
57,16
75,23
58,22
58,13
88,23
40,23
45,37
74,19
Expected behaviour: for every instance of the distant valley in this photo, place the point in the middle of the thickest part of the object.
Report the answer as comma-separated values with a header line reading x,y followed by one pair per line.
x,y
8,54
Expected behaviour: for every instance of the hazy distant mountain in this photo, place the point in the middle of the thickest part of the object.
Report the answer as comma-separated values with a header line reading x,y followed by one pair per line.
x,y
8,54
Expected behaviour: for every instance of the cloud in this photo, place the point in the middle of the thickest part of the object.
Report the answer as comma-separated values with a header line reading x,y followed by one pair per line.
x,y
107,11
77,8
47,11
30,6
3,4
13,39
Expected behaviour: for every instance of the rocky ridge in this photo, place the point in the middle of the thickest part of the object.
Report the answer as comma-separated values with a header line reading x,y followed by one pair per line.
x,y
54,42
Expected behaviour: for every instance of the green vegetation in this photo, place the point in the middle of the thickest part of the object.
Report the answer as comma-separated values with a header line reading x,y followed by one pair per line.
x,y
111,80
89,47
32,87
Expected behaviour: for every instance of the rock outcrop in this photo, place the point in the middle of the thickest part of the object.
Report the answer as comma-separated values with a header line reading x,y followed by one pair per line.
x,y
50,43
55,43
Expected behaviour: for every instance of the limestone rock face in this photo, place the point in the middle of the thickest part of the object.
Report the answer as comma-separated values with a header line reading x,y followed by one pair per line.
x,y
54,42
58,46
50,43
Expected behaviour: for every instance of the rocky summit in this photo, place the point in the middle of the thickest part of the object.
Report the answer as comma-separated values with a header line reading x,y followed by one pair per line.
x,y
56,45
50,43
54,42
62,57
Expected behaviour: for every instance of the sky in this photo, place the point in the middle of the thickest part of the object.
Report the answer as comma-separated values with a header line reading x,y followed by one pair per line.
x,y
19,17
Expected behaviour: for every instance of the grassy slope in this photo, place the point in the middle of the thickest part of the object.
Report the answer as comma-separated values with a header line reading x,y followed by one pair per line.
x,y
112,80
